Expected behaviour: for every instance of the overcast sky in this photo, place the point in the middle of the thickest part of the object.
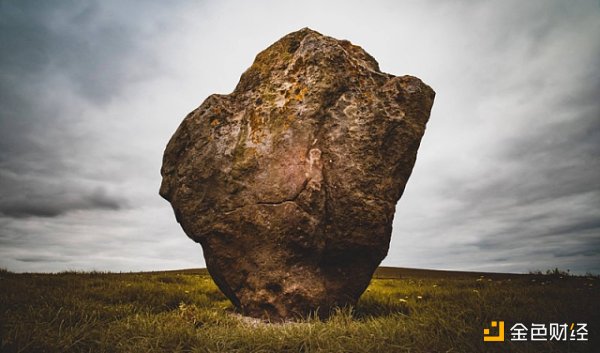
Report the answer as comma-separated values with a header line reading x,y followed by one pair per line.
x,y
507,177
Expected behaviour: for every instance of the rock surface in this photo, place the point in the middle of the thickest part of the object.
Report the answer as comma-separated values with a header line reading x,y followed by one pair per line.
x,y
290,182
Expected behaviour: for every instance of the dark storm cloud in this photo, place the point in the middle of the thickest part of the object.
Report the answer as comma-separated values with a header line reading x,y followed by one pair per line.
x,y
58,60
52,205
35,47
550,198
519,187
77,39
549,161
539,200
76,185
42,259
52,48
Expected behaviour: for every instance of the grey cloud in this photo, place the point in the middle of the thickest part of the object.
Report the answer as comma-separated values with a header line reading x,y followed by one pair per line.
x,y
64,46
60,61
524,188
544,164
35,185
42,259
63,64
85,41
56,203
580,250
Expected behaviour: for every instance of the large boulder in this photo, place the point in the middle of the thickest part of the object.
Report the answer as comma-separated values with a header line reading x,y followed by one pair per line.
x,y
290,183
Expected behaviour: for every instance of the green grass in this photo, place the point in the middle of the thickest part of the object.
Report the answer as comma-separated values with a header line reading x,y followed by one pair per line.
x,y
403,310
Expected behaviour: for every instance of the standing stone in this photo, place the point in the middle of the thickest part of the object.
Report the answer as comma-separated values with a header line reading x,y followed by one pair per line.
x,y
290,182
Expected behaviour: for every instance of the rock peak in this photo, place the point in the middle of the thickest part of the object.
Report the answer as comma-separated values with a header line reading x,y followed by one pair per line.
x,y
290,182
306,47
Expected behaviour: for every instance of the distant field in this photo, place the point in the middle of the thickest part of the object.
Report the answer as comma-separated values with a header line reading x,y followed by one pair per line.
x,y
403,310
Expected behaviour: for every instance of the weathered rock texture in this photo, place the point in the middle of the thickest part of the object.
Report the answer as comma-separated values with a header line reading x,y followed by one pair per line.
x,y
290,182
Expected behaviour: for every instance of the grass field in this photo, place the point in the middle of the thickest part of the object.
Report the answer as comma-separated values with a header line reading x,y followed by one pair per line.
x,y
403,310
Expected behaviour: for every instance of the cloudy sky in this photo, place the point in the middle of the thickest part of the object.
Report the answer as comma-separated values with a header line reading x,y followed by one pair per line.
x,y
507,178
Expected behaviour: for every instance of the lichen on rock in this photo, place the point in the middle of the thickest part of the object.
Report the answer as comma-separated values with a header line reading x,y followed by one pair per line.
x,y
290,182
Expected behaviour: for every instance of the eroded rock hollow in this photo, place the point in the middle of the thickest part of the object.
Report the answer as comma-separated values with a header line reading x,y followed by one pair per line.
x,y
290,182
